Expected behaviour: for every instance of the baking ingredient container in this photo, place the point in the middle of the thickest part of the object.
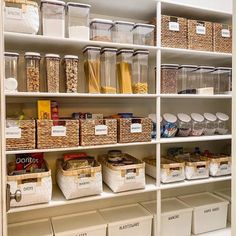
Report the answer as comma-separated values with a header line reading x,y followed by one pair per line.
x,y
222,80
220,165
210,124
144,34
170,127
198,124
122,32
223,123
184,125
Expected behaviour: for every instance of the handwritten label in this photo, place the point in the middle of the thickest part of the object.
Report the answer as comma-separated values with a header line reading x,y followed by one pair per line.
x,y
28,188
58,131
174,26
201,29
136,128
13,132
101,130
175,174
225,33
84,183
13,13
130,177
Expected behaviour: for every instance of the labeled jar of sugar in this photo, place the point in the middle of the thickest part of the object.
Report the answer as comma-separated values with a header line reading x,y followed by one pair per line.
x,y
198,124
170,127
222,123
210,124
184,125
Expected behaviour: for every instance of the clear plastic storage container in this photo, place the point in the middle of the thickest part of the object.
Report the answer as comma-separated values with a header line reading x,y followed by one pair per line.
x,y
140,72
187,79
78,20
144,34
32,68
124,70
108,70
222,80
101,30
198,124
170,127
92,68
210,124
122,32
72,73
11,71
223,122
53,18
184,125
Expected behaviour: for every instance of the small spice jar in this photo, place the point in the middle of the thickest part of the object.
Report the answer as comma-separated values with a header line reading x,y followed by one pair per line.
x,y
122,32
72,73
222,123
144,34
184,125
53,72
222,80
210,124
170,127
198,124
32,68
169,74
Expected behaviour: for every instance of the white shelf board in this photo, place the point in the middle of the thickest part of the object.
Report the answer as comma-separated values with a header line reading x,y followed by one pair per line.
x,y
58,198
79,148
221,232
195,139
188,183
196,96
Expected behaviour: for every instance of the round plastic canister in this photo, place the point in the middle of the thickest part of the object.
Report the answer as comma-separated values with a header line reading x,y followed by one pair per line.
x,y
184,125
198,124
170,127
222,123
210,124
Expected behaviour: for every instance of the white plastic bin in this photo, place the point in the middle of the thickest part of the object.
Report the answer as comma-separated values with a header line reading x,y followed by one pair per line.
x,y
41,227
176,218
130,220
209,212
82,224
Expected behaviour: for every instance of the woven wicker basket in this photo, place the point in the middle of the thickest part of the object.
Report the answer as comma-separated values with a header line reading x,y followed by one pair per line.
x,y
27,137
174,39
220,42
124,130
196,41
46,140
88,135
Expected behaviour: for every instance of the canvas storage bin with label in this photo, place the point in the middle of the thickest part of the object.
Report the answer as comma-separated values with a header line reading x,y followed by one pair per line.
x,y
21,16
220,165
57,134
79,175
82,224
35,187
122,172
130,220
150,166
20,134
98,132
200,36
209,212
134,130
174,32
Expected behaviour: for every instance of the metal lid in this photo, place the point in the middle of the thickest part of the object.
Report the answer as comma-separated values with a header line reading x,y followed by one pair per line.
x,y
32,54
108,50
206,68
119,22
125,50
11,54
54,2
75,4
91,48
184,117
169,118
169,66
210,117
222,116
141,52
52,56
103,21
144,25
197,117
192,67
71,57
223,69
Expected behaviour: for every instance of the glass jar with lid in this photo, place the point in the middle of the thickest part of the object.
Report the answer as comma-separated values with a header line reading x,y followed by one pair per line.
x,y
144,34
222,80
210,124
184,125
122,32
11,71
170,127
198,124
108,70
222,123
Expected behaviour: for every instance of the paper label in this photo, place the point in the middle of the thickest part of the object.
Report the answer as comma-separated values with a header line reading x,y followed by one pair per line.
x,y
101,130
224,167
175,174
201,29
174,26
13,13
13,132
130,177
58,131
84,182
28,188
225,33
136,128
201,171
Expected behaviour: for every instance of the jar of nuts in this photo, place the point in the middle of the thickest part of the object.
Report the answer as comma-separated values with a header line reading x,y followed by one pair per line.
x,y
72,72
53,72
32,68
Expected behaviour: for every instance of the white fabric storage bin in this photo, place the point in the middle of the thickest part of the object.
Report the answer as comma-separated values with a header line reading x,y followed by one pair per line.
x,y
130,220
41,227
73,184
209,212
82,224
226,194
220,166
150,170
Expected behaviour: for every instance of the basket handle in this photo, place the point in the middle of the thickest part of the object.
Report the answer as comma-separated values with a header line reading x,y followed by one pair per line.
x,y
24,2
32,180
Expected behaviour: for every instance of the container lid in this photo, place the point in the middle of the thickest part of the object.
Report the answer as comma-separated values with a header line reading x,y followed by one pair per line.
x,y
71,57
11,54
71,223
146,52
151,206
108,50
206,68
210,117
103,21
222,116
144,25
52,56
184,117
75,4
125,50
197,117
54,2
170,118
38,227
153,117
222,70
91,48
224,193
169,66
32,54
119,22
189,67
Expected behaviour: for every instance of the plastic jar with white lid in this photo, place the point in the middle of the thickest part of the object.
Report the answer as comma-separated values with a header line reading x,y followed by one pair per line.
x,y
122,32
198,124
144,34
170,127
210,124
222,121
11,71
53,18
184,125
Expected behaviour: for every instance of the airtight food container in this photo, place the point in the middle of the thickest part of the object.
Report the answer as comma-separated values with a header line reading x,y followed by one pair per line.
x,y
210,124
144,34
122,32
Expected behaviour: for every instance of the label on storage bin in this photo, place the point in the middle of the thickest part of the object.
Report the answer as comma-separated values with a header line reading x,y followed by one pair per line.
x,y
128,226
58,131
13,132
224,167
174,26
13,13
225,33
84,182
201,171
130,177
200,29
209,210
175,174
173,217
28,188
101,130
136,128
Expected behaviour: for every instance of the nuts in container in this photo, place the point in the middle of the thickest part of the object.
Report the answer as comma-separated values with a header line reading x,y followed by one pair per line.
x,y
72,73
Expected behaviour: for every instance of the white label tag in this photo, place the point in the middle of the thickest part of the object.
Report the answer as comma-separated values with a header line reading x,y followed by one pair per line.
x,y
84,182
130,177
175,174
13,132
101,130
225,33
58,131
13,13
174,26
201,171
136,128
201,29
224,168
28,188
